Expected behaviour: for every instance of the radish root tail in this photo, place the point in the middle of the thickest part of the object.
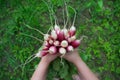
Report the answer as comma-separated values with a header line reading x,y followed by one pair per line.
x,y
81,38
28,60
62,60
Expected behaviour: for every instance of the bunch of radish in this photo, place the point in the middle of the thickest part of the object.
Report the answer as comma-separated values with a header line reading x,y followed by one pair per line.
x,y
59,41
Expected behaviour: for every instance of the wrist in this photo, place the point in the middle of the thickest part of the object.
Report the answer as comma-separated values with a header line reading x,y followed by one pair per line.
x,y
77,61
44,61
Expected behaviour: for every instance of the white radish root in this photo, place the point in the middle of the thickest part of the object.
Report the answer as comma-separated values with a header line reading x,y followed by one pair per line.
x,y
64,43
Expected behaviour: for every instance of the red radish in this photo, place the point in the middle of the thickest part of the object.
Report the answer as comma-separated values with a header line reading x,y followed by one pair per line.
x,y
60,35
56,43
75,43
73,38
45,48
62,50
69,40
66,34
53,34
57,31
52,50
72,30
64,43
70,48
46,44
65,31
56,27
46,37
42,53
50,41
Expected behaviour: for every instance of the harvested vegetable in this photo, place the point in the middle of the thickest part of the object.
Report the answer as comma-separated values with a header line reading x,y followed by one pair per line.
x,y
61,40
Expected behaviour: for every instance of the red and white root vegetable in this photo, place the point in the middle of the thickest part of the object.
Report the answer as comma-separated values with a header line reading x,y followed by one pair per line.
x,y
62,50
53,50
60,41
70,48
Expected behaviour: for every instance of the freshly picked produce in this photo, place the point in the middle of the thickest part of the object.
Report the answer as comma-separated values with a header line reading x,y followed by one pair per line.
x,y
60,39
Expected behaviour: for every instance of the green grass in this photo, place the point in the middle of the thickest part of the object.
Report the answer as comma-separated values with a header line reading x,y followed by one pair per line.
x,y
97,19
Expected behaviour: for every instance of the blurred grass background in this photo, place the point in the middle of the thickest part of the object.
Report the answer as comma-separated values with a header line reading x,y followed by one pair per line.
x,y
97,19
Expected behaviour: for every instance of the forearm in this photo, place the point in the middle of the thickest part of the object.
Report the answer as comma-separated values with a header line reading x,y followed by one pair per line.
x,y
84,70
41,71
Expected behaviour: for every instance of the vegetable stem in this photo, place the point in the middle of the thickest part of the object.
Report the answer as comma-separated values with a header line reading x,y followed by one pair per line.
x,y
64,18
53,13
32,37
34,29
74,15
66,14
49,13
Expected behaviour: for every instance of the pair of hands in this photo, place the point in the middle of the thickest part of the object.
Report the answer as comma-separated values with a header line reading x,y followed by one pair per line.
x,y
72,57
